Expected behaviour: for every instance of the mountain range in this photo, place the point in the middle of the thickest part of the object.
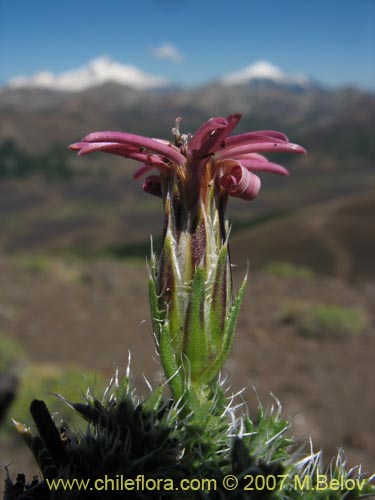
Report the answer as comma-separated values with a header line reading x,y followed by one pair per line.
x,y
96,72
41,112
104,70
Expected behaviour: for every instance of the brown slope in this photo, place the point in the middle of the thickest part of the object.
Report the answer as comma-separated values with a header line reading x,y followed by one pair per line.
x,y
334,238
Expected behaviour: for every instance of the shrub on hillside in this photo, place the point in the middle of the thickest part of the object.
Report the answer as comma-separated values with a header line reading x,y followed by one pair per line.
x,y
319,320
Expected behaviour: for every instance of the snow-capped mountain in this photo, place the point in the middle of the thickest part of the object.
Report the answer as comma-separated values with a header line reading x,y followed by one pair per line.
x,y
264,71
95,72
104,69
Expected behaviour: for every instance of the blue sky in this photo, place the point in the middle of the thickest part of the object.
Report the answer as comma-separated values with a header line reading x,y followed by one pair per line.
x,y
331,40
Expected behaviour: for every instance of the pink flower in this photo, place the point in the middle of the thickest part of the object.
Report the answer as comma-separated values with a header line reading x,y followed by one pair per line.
x,y
210,155
193,306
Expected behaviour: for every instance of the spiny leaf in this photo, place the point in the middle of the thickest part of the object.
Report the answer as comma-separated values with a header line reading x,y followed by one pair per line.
x,y
195,341
154,306
35,445
123,388
219,301
49,433
168,360
168,285
213,369
24,431
88,412
152,403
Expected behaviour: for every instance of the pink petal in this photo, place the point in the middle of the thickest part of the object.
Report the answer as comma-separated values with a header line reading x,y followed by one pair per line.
x,y
156,161
92,147
241,139
239,182
263,166
252,138
214,142
253,156
151,161
76,146
232,120
143,169
121,150
152,185
274,133
234,152
204,132
138,141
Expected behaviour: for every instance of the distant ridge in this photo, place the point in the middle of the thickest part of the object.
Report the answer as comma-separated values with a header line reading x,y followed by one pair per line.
x,y
334,124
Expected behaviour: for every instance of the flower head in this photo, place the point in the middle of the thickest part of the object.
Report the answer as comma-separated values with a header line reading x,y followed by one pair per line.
x,y
193,308
211,155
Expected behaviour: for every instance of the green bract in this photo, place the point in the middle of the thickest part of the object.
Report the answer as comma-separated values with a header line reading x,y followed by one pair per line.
x,y
193,308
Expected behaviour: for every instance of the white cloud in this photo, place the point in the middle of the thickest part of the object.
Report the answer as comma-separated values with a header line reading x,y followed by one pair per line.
x,y
167,51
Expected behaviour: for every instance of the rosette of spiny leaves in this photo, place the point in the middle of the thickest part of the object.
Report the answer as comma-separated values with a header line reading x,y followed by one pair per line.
x,y
127,436
124,436
193,307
